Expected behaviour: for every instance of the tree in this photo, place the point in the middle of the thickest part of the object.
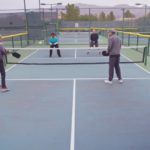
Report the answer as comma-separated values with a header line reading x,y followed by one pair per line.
x,y
128,14
102,16
144,23
93,17
72,13
84,17
111,16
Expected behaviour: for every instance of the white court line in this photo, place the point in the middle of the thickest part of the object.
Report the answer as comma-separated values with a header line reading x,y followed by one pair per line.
x,y
21,61
72,140
70,79
136,64
70,58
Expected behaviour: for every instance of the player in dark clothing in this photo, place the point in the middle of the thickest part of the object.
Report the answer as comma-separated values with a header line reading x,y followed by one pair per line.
x,y
3,87
114,48
93,39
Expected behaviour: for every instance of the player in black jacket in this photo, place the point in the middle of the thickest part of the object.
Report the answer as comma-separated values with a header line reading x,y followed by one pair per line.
x,y
93,39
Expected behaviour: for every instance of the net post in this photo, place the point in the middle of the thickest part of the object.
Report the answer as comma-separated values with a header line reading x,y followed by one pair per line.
x,y
137,42
128,39
148,46
145,55
12,39
21,41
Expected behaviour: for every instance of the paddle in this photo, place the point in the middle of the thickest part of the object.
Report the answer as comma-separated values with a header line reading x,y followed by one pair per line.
x,y
16,55
105,53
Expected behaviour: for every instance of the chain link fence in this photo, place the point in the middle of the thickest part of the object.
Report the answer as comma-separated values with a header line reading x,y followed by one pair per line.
x,y
40,22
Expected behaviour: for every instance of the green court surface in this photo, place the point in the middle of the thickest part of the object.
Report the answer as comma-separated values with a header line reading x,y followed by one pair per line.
x,y
69,107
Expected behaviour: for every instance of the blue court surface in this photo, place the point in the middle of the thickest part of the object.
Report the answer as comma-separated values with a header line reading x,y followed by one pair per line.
x,y
69,107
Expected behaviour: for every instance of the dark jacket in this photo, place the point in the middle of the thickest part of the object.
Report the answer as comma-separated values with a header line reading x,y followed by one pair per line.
x,y
94,37
114,45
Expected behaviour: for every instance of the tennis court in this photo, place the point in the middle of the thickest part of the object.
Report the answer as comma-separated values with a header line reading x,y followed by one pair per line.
x,y
78,38
69,107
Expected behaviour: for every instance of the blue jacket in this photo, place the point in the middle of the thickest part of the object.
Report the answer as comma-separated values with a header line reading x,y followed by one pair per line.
x,y
53,41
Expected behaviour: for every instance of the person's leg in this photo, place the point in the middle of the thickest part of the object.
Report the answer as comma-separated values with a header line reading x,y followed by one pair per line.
x,y
3,74
96,44
111,67
58,51
51,51
117,68
91,44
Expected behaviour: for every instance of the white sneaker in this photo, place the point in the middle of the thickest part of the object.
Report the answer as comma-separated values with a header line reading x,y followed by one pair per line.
x,y
108,82
4,89
120,81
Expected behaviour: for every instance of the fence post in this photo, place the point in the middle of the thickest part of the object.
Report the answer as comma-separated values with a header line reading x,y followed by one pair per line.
x,y
148,46
128,39
137,42
12,39
21,40
145,55
122,38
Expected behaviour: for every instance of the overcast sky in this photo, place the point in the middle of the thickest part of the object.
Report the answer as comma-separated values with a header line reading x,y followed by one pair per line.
x,y
18,4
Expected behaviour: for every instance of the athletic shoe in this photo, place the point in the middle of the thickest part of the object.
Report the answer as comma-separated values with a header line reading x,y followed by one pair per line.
x,y
108,82
120,81
4,89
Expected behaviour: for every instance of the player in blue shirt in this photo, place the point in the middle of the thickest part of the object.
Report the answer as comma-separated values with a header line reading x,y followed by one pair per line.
x,y
53,42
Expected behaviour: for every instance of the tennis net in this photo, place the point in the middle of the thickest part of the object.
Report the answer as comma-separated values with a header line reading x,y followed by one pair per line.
x,y
70,56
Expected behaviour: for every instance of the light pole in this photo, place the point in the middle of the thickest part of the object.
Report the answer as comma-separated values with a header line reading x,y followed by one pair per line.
x,y
45,4
123,11
145,14
26,22
51,5
39,5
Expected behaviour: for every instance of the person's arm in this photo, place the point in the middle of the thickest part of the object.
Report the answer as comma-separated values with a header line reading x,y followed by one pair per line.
x,y
50,41
110,43
3,50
